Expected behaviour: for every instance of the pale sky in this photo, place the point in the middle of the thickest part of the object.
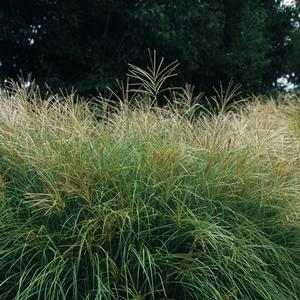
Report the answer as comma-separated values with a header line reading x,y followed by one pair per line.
x,y
288,2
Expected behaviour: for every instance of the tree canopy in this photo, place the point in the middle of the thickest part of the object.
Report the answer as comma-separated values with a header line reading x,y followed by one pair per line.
x,y
87,44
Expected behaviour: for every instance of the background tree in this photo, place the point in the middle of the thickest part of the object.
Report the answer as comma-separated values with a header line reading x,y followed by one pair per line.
x,y
87,44
293,41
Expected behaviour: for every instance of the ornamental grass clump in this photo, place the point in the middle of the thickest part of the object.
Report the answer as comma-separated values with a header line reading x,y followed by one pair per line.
x,y
147,202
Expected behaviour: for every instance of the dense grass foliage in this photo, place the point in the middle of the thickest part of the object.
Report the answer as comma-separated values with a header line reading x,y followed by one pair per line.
x,y
148,202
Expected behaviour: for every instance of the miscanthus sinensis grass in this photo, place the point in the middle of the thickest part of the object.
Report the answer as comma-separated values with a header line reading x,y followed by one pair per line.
x,y
147,203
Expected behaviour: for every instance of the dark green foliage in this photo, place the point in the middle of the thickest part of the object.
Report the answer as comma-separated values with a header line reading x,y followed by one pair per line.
x,y
294,51
87,44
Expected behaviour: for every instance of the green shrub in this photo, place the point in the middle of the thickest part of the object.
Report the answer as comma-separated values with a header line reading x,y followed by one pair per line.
x,y
147,203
